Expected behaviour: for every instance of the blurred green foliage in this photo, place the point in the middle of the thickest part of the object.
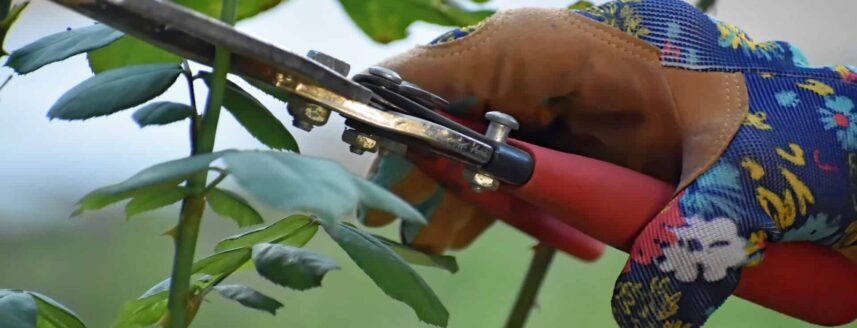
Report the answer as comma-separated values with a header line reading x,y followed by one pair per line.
x,y
96,263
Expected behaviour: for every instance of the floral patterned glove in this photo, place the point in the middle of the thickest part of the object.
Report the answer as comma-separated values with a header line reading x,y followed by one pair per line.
x,y
761,146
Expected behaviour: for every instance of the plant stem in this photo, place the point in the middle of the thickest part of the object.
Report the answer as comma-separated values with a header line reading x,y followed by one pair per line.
x,y
202,139
705,5
188,74
6,81
542,259
194,119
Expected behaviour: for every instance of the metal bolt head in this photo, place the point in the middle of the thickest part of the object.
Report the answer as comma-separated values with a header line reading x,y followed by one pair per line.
x,y
360,142
502,118
303,125
356,150
307,115
480,182
386,73
316,113
501,125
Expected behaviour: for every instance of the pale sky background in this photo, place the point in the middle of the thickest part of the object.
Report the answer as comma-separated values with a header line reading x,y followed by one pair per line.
x,y
46,165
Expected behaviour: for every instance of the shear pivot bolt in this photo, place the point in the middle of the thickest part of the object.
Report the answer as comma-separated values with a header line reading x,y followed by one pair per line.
x,y
307,115
360,142
498,130
480,182
501,125
386,73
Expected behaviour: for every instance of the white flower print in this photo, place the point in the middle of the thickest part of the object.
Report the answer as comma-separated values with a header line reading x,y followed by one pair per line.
x,y
711,246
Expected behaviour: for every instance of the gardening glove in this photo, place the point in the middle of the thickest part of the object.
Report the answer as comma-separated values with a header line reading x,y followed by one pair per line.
x,y
760,146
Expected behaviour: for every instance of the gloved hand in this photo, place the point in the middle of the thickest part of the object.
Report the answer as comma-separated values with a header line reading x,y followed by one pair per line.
x,y
759,146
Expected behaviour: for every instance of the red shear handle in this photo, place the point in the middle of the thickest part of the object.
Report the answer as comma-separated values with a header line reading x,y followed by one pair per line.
x,y
517,213
804,280
613,204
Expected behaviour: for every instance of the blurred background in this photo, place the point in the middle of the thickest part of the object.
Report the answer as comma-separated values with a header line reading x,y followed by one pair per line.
x,y
94,263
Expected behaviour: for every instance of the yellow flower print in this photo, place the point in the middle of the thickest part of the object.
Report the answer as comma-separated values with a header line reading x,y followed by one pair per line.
x,y
795,157
757,120
849,238
845,73
659,302
780,209
733,37
817,86
624,296
756,171
802,192
620,15
784,207
676,324
755,246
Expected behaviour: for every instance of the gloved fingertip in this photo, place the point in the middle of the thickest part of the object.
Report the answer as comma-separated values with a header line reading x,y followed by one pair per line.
x,y
471,230
376,218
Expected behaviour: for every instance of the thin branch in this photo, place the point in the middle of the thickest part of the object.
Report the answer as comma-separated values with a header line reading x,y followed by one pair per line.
x,y
194,119
215,182
542,258
5,82
188,74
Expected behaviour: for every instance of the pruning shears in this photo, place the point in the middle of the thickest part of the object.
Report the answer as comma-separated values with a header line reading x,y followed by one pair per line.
x,y
384,113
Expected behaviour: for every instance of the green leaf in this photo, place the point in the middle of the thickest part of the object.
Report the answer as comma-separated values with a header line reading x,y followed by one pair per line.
x,y
231,205
296,183
143,312
154,199
580,5
390,272
115,90
158,177
388,20
132,51
59,46
414,256
9,18
55,313
128,51
271,90
249,298
162,112
222,262
295,230
255,118
291,267
246,8
17,309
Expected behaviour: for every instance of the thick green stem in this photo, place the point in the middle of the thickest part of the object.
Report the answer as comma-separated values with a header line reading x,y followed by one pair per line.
x,y
202,140
532,283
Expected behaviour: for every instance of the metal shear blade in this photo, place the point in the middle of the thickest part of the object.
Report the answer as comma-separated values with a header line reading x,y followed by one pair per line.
x,y
317,87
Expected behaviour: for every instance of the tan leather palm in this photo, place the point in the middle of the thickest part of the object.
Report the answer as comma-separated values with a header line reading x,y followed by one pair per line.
x,y
583,87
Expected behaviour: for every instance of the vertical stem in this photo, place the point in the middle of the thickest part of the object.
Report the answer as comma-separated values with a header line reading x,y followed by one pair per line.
x,y
705,5
542,259
194,119
202,139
